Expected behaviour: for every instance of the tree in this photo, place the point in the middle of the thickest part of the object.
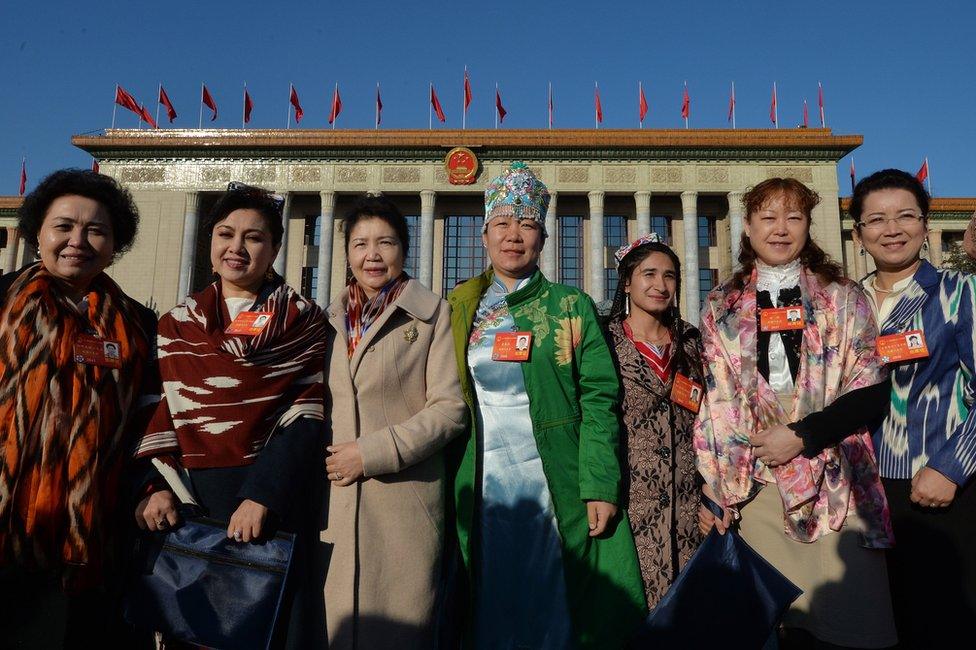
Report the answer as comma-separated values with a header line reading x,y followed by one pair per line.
x,y
957,259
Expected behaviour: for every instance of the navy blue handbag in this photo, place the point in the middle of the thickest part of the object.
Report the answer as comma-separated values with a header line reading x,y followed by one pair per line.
x,y
727,594
194,584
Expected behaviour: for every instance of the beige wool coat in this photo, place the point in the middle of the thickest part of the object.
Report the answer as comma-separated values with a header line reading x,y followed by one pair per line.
x,y
400,397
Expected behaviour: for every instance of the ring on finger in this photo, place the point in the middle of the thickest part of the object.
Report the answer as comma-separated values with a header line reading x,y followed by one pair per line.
x,y
237,535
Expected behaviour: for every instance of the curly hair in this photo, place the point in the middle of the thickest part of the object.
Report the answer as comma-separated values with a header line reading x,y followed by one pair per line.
x,y
801,197
248,198
100,188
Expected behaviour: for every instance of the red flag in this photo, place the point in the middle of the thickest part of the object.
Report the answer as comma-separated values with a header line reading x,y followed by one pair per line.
x,y
498,106
336,105
772,107
641,103
467,90
164,100
436,103
923,171
686,104
732,103
125,100
23,176
293,98
209,102
806,115
853,183
147,118
95,165
248,105
598,105
820,103
379,106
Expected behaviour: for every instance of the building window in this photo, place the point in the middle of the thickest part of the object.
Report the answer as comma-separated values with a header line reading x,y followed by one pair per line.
x,y
662,226
310,274
464,253
571,251
707,280
412,267
614,236
706,232
310,282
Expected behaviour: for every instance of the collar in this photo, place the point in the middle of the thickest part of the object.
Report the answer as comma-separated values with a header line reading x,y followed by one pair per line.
x,y
776,278
415,299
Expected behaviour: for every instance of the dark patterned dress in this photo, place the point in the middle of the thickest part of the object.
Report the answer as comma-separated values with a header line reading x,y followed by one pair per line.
x,y
662,491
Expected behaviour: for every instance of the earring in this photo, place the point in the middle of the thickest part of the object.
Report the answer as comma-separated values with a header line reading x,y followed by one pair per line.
x,y
626,304
925,245
269,274
861,251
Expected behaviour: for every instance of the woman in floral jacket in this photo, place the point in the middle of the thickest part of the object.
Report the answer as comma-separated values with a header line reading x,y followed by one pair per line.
x,y
792,378
551,559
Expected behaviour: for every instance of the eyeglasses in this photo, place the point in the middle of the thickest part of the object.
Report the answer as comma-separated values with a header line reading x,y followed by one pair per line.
x,y
251,190
905,219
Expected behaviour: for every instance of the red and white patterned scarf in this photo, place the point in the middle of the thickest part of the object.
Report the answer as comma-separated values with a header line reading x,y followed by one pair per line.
x,y
659,361
361,312
225,395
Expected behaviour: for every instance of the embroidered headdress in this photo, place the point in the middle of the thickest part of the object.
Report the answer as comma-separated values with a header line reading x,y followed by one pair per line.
x,y
517,193
649,238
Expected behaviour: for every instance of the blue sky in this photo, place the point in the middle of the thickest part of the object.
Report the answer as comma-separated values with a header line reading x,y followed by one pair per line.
x,y
900,73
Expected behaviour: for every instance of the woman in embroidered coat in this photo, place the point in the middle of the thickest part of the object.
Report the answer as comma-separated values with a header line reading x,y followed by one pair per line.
x,y
926,445
551,559
242,403
394,402
781,437
651,345
68,422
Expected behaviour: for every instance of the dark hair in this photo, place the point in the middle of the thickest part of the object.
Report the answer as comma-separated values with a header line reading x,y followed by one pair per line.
x,y
116,200
378,207
248,198
887,179
812,257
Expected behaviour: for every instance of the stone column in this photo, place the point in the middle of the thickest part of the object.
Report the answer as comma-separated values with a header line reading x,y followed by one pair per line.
x,y
281,262
13,248
935,247
551,249
597,246
426,259
689,218
737,213
326,229
643,201
191,220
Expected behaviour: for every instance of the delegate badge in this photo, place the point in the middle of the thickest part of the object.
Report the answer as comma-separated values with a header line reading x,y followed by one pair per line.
x,y
249,323
686,393
902,347
781,319
511,346
94,351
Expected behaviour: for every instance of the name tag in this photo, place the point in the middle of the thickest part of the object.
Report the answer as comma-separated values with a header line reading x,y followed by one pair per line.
x,y
781,319
511,346
686,393
249,323
902,347
94,351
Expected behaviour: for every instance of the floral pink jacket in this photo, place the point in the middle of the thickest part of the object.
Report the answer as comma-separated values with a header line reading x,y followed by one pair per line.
x,y
837,356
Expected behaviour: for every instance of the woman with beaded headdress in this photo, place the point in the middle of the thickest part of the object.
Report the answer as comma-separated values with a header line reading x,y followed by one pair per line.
x,y
658,357
552,561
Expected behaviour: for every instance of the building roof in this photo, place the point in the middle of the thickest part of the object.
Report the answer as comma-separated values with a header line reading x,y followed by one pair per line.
x,y
9,205
940,208
501,144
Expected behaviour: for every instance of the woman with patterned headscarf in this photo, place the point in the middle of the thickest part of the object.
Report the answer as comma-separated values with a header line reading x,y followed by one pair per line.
x,y
551,559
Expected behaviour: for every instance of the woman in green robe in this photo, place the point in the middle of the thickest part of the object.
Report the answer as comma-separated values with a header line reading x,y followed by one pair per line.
x,y
552,561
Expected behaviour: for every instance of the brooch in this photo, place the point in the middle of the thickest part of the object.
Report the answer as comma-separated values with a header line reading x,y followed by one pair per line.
x,y
410,334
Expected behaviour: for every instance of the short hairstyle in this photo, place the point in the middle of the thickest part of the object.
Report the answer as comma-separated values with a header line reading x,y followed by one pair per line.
x,y
887,179
379,207
104,190
248,198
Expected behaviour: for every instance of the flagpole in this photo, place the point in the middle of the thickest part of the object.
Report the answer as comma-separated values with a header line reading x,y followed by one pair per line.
x,y
928,177
596,94
335,96
689,105
115,105
464,109
158,93
244,108
376,121
640,93
733,105
430,106
549,108
288,118
823,117
496,104
775,106
200,124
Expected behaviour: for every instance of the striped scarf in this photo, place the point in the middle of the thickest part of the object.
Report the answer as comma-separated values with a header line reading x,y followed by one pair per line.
x,y
658,357
362,312
225,395
64,425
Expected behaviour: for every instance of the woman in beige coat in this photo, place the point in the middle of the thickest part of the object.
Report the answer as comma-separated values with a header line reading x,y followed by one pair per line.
x,y
395,401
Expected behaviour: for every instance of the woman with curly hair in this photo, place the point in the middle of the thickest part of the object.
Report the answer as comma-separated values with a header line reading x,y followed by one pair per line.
x,y
74,354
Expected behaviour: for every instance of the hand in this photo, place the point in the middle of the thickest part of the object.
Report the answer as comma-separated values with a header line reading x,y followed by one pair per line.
x,y
599,514
930,489
157,511
776,445
344,465
706,519
247,522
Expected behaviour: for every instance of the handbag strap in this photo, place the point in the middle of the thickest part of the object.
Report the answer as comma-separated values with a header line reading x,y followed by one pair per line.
x,y
713,507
